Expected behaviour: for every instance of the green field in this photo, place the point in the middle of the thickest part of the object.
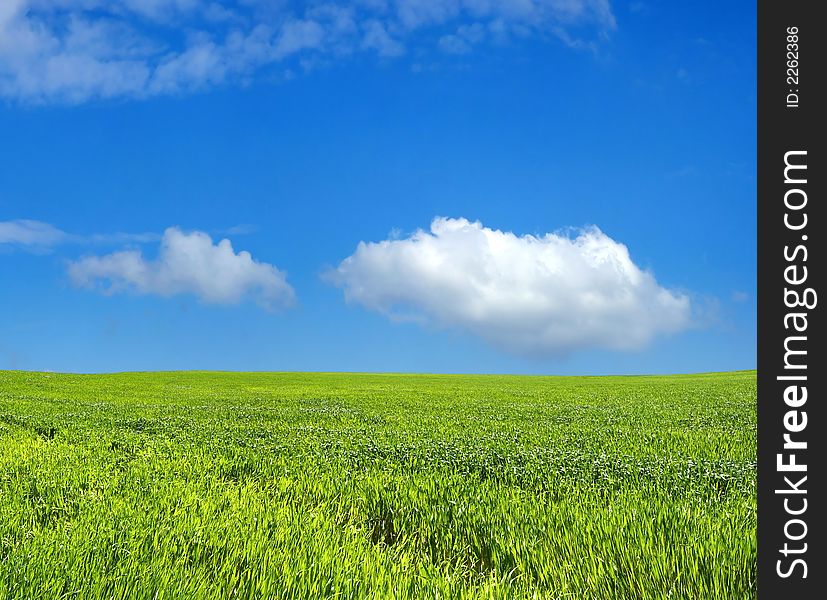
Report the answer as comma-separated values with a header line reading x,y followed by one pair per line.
x,y
267,485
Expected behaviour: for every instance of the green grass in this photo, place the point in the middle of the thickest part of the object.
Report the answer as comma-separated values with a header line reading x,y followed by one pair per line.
x,y
265,485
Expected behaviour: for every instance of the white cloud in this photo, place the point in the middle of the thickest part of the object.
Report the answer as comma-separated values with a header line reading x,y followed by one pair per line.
x,y
75,50
38,236
187,263
377,38
547,295
27,232
461,42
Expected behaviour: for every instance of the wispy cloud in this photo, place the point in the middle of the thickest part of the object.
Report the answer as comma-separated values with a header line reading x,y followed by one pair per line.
x,y
75,50
187,263
547,295
31,234
37,236
241,229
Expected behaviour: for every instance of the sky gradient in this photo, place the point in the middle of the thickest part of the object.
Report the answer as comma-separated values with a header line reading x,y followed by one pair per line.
x,y
633,121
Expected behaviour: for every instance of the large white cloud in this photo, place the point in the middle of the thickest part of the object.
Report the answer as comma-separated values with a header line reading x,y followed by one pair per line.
x,y
547,295
187,263
74,50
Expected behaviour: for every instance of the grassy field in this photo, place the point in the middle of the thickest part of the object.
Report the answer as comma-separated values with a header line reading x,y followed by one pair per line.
x,y
255,485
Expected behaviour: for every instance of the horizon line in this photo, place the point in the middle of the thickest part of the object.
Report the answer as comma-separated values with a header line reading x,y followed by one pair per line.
x,y
395,373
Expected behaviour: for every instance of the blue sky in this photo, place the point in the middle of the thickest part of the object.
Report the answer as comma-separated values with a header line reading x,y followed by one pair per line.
x,y
637,118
